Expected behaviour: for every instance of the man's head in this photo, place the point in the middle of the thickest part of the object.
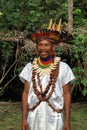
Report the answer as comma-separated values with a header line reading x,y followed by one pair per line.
x,y
45,48
54,33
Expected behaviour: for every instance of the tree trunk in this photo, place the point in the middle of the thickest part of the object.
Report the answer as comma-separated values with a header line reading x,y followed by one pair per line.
x,y
70,16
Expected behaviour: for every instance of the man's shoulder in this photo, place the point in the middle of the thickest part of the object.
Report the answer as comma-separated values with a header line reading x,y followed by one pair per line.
x,y
63,64
64,67
28,65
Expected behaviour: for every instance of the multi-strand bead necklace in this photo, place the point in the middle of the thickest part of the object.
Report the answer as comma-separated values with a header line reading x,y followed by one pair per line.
x,y
41,68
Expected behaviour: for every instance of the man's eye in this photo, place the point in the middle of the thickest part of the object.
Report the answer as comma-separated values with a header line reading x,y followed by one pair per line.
x,y
39,45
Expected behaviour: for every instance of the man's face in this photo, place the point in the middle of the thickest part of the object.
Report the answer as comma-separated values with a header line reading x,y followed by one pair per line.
x,y
45,48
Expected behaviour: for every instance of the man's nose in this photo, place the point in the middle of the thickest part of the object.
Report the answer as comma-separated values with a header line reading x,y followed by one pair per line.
x,y
43,47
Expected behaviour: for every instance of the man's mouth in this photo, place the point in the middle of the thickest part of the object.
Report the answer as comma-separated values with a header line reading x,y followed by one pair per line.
x,y
43,52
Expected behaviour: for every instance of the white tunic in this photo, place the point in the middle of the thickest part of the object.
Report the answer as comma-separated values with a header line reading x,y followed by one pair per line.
x,y
43,117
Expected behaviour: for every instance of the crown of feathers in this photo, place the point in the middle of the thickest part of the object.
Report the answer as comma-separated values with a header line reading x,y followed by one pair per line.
x,y
53,32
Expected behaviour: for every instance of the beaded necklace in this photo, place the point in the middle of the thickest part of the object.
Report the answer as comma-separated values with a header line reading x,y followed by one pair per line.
x,y
45,70
47,93
45,63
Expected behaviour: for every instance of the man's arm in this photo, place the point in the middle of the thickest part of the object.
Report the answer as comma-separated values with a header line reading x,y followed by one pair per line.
x,y
25,106
67,105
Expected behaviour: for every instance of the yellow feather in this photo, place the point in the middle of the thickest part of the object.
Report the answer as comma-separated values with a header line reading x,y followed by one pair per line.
x,y
50,24
59,26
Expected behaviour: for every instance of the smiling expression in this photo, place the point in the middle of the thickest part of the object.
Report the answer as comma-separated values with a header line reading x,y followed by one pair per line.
x,y
45,48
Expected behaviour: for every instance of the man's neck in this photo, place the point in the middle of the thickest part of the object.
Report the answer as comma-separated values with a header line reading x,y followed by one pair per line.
x,y
47,58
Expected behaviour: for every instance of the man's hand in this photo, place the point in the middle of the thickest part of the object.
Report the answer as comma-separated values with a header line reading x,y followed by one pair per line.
x,y
66,126
24,125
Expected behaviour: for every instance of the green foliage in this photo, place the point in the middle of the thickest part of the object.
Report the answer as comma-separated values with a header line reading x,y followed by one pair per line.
x,y
77,59
22,15
79,53
80,13
84,82
79,19
4,46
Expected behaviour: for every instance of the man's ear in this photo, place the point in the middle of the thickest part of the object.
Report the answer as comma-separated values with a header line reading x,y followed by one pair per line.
x,y
36,50
36,46
54,47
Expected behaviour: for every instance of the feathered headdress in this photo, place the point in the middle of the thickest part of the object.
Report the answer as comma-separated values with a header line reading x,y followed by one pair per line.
x,y
53,33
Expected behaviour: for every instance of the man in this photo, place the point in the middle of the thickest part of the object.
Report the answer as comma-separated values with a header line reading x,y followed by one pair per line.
x,y
46,86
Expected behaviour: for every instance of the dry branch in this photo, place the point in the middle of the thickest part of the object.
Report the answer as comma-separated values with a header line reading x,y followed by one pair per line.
x,y
10,39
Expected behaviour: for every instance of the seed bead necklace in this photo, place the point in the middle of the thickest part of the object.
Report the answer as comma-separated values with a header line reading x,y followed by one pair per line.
x,y
45,63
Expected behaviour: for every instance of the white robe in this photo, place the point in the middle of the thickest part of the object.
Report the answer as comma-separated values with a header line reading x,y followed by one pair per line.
x,y
43,117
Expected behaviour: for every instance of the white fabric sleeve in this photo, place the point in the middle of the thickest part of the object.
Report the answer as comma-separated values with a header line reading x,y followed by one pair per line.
x,y
26,73
68,76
